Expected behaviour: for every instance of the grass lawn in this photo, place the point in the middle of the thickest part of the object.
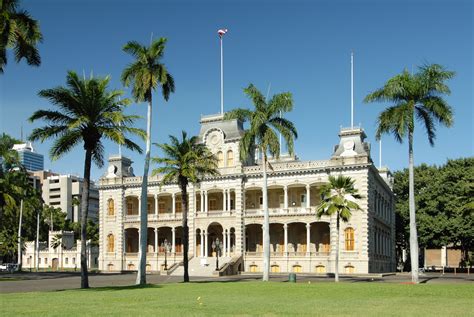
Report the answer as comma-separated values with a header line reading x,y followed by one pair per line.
x,y
249,298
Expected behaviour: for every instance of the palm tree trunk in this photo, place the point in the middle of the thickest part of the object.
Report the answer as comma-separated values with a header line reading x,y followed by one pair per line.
x,y
336,271
84,210
184,207
141,275
19,257
411,205
266,224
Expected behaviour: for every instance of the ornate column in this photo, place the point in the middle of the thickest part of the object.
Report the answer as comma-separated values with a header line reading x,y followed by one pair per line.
x,y
201,193
156,240
124,241
173,207
206,236
224,236
139,205
173,237
285,229
224,198
308,193
202,243
156,205
206,203
263,236
308,238
228,243
286,196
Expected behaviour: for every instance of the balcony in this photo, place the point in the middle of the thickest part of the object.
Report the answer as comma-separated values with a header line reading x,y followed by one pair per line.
x,y
281,211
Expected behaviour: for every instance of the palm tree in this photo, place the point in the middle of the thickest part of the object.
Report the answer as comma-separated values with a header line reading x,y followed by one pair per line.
x,y
265,121
185,161
146,73
20,32
87,112
337,197
414,96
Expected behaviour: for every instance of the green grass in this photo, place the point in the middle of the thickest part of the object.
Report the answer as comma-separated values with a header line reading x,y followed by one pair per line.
x,y
249,298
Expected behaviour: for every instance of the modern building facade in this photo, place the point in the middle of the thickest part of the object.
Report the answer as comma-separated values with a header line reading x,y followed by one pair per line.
x,y
228,207
30,159
65,192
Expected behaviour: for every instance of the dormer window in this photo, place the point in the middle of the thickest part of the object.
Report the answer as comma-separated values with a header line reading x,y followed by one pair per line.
x,y
220,159
230,158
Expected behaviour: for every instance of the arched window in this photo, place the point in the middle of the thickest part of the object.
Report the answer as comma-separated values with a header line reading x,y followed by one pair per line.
x,y
275,268
320,269
349,237
110,243
349,269
297,268
230,158
110,207
253,268
220,159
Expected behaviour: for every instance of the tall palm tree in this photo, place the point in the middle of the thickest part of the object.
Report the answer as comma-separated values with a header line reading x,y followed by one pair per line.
x,y
338,197
86,112
185,161
414,96
20,32
265,121
146,73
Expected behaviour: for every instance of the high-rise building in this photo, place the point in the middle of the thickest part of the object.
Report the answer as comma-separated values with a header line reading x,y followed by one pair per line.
x,y
63,191
31,160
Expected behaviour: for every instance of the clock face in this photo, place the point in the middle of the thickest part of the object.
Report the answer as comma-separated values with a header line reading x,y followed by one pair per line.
x,y
214,139
349,145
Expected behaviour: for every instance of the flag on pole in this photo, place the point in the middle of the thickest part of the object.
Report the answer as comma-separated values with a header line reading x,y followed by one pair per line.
x,y
221,32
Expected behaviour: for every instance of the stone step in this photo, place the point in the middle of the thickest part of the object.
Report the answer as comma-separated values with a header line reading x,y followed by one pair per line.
x,y
202,266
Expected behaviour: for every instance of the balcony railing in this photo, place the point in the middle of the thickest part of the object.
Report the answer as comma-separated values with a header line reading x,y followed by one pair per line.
x,y
289,254
281,211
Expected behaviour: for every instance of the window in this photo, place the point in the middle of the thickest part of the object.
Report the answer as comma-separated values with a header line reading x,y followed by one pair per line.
x,y
349,238
129,208
275,269
110,243
253,268
349,269
161,207
110,207
67,261
45,260
230,158
220,159
320,269
297,269
73,260
39,260
148,208
28,260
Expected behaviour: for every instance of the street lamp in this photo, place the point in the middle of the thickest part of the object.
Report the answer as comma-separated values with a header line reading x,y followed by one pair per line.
x,y
166,246
216,245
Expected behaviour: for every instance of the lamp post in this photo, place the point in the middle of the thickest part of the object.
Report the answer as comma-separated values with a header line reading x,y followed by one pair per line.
x,y
166,246
216,245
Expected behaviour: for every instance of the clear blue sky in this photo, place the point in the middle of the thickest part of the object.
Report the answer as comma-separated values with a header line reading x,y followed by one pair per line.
x,y
297,46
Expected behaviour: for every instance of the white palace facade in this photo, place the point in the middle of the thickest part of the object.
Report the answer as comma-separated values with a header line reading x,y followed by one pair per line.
x,y
229,207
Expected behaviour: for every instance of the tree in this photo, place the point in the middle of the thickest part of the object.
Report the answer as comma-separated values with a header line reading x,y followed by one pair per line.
x,y
20,32
87,112
414,96
265,121
146,73
338,197
443,194
15,189
185,161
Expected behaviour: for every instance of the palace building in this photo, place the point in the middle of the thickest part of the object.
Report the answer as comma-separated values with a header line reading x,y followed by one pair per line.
x,y
228,207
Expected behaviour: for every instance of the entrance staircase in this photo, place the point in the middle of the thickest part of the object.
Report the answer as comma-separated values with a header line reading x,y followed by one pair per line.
x,y
202,266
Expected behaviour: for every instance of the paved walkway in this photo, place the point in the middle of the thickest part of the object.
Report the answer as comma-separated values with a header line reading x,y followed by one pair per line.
x,y
53,281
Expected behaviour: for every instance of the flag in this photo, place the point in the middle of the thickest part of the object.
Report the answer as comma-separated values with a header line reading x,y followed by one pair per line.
x,y
221,32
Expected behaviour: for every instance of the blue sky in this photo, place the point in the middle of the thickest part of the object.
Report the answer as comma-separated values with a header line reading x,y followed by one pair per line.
x,y
298,46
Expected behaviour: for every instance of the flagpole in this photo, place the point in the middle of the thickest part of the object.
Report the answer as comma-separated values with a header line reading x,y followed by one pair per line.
x,y
380,153
352,89
222,77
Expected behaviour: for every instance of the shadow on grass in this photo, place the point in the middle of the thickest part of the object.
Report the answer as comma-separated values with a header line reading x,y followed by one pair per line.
x,y
113,288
